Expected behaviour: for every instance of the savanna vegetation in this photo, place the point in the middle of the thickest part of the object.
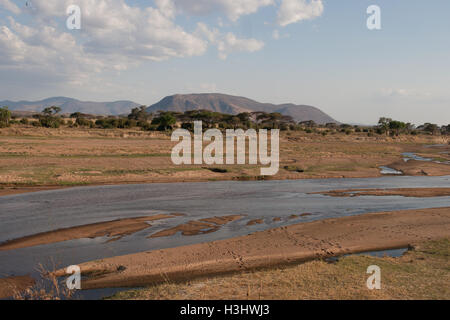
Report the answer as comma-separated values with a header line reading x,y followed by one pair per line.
x,y
51,117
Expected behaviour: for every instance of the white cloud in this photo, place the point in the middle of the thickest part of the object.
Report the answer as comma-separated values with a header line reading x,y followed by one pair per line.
x,y
292,11
228,43
115,28
114,36
167,7
10,6
233,9
45,50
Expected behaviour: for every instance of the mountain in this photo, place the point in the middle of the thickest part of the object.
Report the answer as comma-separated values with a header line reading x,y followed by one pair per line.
x,y
69,105
210,101
234,105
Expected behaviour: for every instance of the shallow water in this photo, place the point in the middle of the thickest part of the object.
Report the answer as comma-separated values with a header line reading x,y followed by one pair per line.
x,y
412,156
26,214
393,253
387,171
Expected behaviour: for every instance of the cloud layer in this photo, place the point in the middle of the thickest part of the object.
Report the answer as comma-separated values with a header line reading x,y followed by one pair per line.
x,y
292,11
116,35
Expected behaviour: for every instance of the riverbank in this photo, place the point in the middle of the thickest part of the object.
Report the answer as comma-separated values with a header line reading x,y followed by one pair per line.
x,y
271,248
37,159
421,273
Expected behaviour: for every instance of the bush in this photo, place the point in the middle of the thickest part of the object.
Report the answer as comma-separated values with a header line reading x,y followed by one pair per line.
x,y
50,122
83,122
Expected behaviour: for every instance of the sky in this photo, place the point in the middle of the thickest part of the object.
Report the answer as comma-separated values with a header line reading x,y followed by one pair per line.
x,y
314,52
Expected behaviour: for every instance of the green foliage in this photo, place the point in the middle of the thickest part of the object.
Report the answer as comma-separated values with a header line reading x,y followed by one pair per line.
x,y
51,111
165,121
139,114
113,122
83,122
48,118
5,117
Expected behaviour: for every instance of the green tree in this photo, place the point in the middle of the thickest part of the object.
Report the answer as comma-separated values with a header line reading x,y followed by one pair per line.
x,y
5,117
48,118
51,111
396,127
139,114
383,125
165,121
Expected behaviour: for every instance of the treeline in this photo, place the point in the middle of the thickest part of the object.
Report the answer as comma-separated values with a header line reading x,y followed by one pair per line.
x,y
50,117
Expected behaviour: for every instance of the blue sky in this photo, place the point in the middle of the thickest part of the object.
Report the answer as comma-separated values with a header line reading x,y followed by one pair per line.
x,y
319,53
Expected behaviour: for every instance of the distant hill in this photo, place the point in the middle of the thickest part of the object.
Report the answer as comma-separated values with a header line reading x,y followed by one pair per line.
x,y
214,102
69,105
234,105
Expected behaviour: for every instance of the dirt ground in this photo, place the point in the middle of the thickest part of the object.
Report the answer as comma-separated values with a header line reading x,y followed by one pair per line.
x,y
271,248
33,159
421,273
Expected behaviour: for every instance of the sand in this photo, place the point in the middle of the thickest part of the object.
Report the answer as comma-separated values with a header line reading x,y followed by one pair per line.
x,y
113,229
193,228
280,246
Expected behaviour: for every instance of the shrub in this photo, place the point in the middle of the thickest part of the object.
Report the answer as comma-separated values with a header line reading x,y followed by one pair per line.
x,y
5,117
83,122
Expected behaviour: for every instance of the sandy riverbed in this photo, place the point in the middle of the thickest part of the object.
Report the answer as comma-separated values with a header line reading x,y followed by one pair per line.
x,y
113,229
292,244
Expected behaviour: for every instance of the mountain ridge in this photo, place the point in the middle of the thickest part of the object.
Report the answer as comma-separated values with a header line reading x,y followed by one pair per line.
x,y
71,105
217,102
223,103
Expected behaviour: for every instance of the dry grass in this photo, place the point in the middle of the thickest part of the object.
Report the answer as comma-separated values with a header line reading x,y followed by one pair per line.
x,y
65,157
48,287
422,273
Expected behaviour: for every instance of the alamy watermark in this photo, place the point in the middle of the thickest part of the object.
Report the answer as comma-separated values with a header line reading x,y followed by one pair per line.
x,y
73,282
374,20
213,153
374,281
73,21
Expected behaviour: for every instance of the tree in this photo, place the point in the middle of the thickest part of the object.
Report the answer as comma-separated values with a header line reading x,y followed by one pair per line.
x,y
51,111
139,114
431,128
5,117
165,121
48,118
445,129
383,124
396,127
